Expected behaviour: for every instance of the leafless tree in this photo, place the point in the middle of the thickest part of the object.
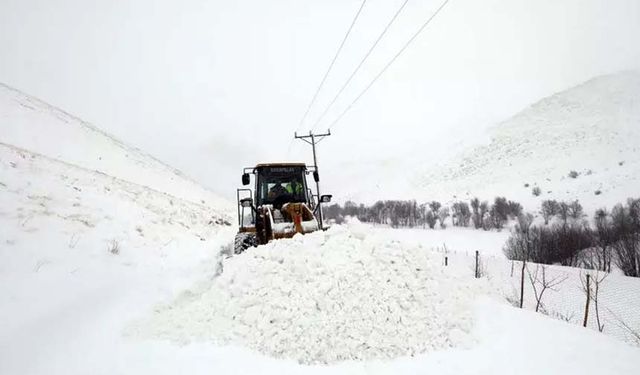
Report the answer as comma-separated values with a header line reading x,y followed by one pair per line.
x,y
563,212
476,217
604,239
484,210
548,210
431,219
626,223
575,210
540,282
443,214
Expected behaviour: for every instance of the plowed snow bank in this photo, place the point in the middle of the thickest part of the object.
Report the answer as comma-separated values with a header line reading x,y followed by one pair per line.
x,y
324,297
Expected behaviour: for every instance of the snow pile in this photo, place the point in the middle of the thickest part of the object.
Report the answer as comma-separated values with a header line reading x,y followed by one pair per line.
x,y
325,297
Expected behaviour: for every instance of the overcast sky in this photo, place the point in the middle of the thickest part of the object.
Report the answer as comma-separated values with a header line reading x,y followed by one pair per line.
x,y
213,86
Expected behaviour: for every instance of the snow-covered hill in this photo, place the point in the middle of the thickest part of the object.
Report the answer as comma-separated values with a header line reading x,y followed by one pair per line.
x,y
31,124
593,129
82,251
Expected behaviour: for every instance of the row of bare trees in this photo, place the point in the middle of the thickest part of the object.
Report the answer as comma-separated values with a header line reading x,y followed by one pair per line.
x,y
614,238
408,213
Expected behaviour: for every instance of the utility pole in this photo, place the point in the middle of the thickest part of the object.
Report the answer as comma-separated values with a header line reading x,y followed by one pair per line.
x,y
313,140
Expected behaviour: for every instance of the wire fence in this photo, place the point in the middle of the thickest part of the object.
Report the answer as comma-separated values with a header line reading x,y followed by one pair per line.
x,y
605,302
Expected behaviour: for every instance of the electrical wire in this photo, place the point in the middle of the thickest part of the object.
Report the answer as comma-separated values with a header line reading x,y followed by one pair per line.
x,y
384,69
326,74
362,61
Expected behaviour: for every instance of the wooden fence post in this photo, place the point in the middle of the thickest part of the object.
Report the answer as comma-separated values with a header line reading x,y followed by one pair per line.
x,y
586,308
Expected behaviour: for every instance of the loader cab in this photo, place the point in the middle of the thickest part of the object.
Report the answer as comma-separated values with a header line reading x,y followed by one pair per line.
x,y
274,185
280,184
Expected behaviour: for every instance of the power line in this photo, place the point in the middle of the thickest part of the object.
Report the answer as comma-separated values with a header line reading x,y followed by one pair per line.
x,y
344,86
344,40
415,35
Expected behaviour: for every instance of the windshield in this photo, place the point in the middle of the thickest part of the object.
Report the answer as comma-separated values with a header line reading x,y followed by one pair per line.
x,y
278,185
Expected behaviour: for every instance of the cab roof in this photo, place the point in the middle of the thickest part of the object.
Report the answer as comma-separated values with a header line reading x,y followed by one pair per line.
x,y
263,165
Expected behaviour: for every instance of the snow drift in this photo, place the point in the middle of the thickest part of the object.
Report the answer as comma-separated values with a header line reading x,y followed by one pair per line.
x,y
324,297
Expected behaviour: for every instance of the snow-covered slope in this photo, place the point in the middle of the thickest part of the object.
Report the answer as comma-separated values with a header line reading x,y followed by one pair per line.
x,y
593,129
31,124
81,252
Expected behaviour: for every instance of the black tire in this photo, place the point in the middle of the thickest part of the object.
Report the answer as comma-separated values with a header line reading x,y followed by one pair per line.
x,y
243,242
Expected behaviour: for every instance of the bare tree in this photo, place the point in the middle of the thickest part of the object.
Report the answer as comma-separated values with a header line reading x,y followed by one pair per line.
x,y
461,214
431,219
604,239
443,214
540,283
476,217
548,210
575,210
626,223
484,210
563,212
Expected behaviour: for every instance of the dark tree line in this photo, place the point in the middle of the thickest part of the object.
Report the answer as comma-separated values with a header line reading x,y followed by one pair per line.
x,y
409,213
572,241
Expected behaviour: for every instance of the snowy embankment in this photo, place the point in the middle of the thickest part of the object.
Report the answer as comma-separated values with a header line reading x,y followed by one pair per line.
x,y
82,253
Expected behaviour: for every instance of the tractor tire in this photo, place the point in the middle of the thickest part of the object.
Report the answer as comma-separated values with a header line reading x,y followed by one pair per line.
x,y
243,242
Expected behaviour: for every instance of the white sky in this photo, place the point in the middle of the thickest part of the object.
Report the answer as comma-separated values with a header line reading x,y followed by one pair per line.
x,y
213,86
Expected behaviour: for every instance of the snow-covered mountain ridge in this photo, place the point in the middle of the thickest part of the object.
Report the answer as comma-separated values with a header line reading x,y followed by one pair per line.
x,y
31,124
593,129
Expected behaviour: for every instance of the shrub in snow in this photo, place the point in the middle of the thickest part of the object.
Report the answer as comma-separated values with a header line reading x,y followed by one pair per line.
x,y
536,191
443,214
575,210
114,247
431,219
563,212
574,174
626,226
487,224
435,206
499,212
605,237
476,216
461,214
515,209
562,244
549,209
